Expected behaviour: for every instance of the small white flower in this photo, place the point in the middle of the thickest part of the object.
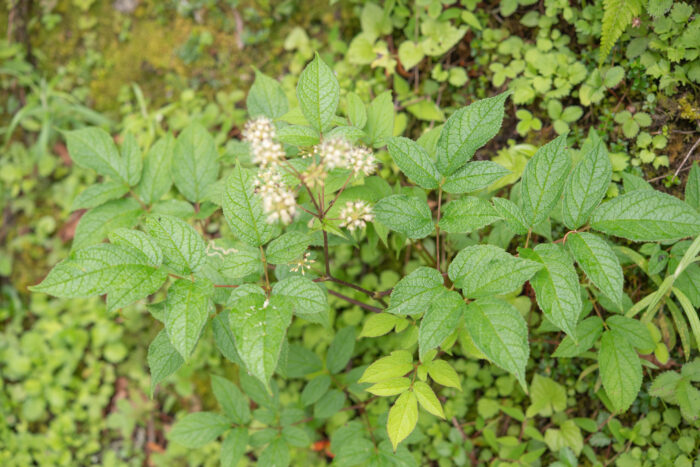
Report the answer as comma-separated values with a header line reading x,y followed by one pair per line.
x,y
361,159
278,201
355,215
303,264
267,153
334,152
258,130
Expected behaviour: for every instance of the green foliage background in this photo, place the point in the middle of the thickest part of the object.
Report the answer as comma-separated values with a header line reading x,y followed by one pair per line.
x,y
74,387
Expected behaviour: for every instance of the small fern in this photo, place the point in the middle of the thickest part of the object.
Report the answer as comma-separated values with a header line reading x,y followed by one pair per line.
x,y
618,14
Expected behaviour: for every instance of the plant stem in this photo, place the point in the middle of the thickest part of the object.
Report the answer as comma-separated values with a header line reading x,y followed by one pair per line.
x,y
267,277
367,307
437,231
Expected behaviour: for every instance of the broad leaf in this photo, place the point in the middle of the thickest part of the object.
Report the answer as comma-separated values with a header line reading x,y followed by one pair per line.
x,y
183,248
133,162
467,214
414,293
259,328
195,162
543,180
266,97
380,120
243,209
199,428
442,373
287,248
427,399
318,93
403,417
512,214
499,332
306,298
139,241
439,321
97,223
99,194
586,185
634,331
646,216
340,350
240,261
599,262
467,130
395,365
298,135
505,272
163,359
234,446
474,176
587,332
94,148
405,214
232,401
556,287
620,371
414,162
692,187
156,179
356,111
187,308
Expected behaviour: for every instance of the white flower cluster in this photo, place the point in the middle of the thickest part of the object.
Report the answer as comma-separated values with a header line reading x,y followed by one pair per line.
x,y
278,201
260,133
337,152
355,215
303,264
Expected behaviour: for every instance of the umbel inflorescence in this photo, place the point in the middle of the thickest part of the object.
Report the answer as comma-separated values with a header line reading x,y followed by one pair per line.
x,y
335,152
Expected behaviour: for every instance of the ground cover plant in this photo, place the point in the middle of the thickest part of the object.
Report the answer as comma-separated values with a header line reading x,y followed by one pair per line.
x,y
459,234
310,187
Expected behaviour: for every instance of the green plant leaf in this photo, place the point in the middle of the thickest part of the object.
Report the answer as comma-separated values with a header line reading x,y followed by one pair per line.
x,y
232,401
97,223
356,111
157,166
390,387
543,180
617,15
94,270
379,324
620,371
234,446
340,350
187,308
414,162
512,214
133,162
427,399
467,130
94,148
395,365
195,163
403,417
499,332
243,209
439,321
586,185
242,262
330,404
414,293
599,262
587,332
163,359
506,272
183,248
380,119
467,214
405,214
474,176
139,241
692,187
556,287
318,92
634,331
664,386
298,135
266,97
442,373
646,216
199,428
306,298
287,248
548,397
99,194
259,328
144,281
315,389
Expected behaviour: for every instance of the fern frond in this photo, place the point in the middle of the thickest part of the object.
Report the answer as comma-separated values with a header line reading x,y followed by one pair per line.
x,y
618,14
